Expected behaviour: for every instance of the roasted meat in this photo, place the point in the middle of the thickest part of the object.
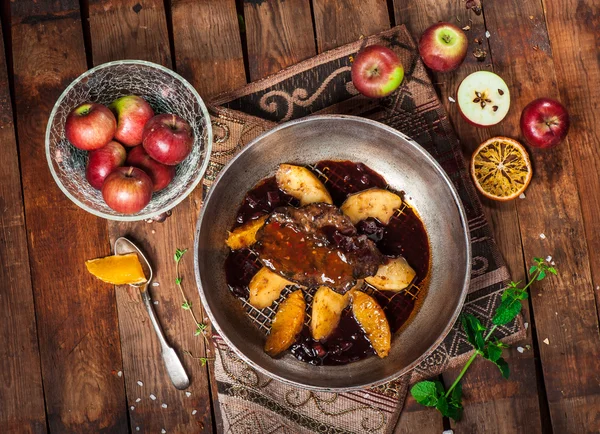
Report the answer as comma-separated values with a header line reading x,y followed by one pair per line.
x,y
316,245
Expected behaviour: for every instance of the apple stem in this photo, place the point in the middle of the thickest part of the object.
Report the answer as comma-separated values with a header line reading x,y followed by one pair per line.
x,y
130,171
447,38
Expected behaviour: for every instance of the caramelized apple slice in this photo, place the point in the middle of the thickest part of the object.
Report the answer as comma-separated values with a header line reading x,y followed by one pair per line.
x,y
327,310
372,319
287,323
301,183
393,276
245,235
376,202
265,287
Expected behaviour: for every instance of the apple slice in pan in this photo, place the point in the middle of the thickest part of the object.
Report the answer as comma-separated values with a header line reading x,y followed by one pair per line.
x,y
371,318
287,324
265,287
327,310
245,235
393,276
301,183
375,202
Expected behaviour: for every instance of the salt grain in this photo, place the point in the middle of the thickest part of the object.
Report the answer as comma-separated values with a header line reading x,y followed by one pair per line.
x,y
188,394
132,408
153,231
120,374
448,431
138,400
140,383
526,325
548,258
155,302
522,196
155,284
164,405
451,99
520,350
194,412
163,431
152,397
137,428
552,263
487,34
546,341
542,236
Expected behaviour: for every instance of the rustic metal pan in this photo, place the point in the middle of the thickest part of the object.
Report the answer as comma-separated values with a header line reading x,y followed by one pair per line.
x,y
405,166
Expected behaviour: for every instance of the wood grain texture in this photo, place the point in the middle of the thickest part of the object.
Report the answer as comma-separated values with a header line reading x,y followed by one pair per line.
x,y
564,306
208,47
338,22
142,360
515,404
416,418
278,34
574,29
76,315
21,389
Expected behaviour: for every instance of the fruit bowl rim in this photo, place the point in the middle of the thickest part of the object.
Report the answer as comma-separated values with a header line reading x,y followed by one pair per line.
x,y
170,205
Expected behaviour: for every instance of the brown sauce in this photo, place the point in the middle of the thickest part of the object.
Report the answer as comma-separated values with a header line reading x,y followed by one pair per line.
x,y
404,235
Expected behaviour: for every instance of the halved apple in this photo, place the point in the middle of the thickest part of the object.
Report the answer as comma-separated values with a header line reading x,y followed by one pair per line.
x,y
371,318
393,276
245,235
265,287
287,323
301,183
483,98
375,202
327,310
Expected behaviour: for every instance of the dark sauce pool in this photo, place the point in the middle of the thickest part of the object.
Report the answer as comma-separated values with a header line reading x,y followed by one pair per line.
x,y
404,235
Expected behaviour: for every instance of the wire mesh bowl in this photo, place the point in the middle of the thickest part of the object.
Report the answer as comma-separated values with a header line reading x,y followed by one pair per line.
x,y
166,92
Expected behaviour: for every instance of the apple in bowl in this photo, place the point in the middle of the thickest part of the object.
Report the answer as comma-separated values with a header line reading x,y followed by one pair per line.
x,y
168,139
160,174
103,161
544,123
132,112
90,126
127,190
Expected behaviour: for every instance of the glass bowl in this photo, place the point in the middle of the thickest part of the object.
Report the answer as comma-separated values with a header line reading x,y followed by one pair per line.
x,y
166,92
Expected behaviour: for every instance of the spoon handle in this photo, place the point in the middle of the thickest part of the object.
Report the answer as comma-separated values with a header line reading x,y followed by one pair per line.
x,y
172,362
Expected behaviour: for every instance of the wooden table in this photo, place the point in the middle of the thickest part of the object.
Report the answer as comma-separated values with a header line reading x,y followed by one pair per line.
x,y
72,350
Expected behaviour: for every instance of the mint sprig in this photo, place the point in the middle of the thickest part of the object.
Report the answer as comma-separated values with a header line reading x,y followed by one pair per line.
x,y
449,402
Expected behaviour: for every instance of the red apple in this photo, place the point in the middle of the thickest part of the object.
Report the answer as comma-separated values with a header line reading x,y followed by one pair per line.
x,y
168,139
127,190
377,71
161,174
483,98
544,123
443,47
103,161
90,126
132,114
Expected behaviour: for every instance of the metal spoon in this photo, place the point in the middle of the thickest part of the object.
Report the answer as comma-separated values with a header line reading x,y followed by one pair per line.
x,y
174,366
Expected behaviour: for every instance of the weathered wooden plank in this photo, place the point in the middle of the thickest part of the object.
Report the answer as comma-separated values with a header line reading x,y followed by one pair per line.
x,y
278,34
564,307
521,407
343,21
125,29
573,29
208,48
21,389
76,316
416,418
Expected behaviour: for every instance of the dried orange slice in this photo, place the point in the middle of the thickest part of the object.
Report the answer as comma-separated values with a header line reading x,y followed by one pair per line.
x,y
501,168
118,269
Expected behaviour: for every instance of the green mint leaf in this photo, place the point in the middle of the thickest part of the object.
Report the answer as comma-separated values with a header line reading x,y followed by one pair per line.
x,y
200,328
533,269
507,311
541,275
503,366
493,351
178,254
425,393
454,412
474,331
186,305
442,405
456,396
552,270
538,261
178,281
